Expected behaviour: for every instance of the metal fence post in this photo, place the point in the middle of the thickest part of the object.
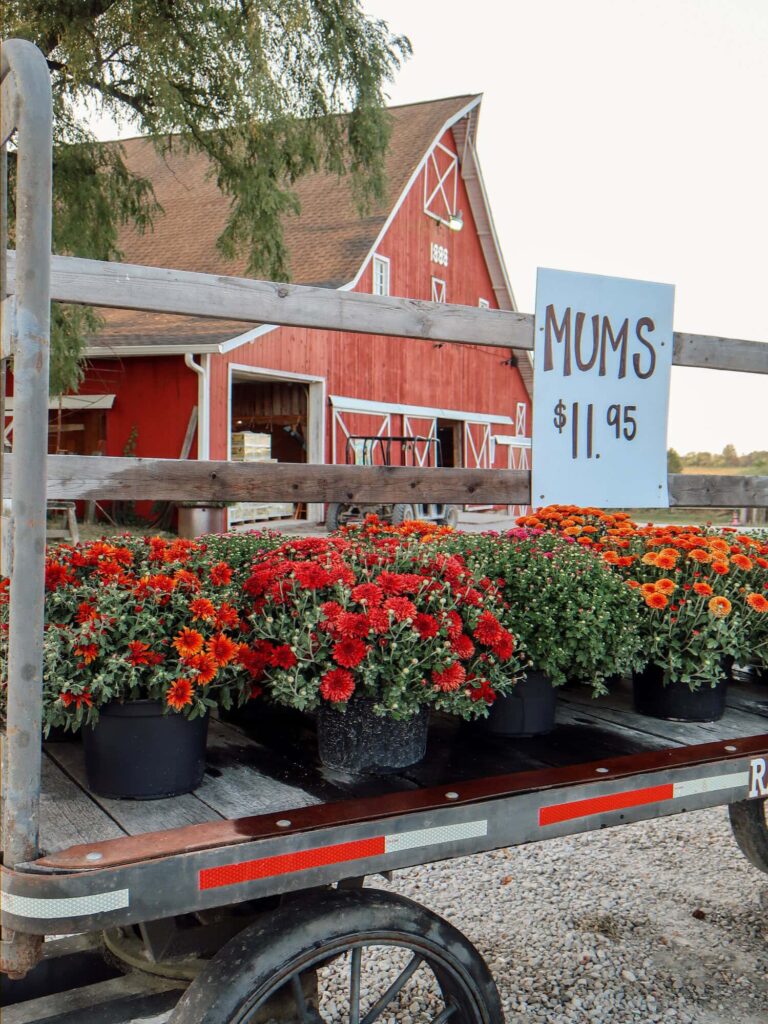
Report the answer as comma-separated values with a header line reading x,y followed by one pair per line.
x,y
26,82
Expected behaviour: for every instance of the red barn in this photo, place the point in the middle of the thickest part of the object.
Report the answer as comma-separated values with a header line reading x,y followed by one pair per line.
x,y
308,390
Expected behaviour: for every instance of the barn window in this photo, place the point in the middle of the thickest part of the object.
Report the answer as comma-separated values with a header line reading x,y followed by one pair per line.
x,y
483,303
438,290
380,275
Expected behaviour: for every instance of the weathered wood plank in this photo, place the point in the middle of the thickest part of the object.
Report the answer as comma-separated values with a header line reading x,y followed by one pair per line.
x,y
160,290
135,816
122,479
68,816
700,491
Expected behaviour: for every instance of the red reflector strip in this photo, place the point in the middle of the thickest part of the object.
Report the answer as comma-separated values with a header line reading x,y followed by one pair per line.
x,y
599,804
285,863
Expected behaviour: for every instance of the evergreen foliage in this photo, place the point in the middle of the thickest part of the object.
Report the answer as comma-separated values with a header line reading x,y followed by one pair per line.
x,y
255,84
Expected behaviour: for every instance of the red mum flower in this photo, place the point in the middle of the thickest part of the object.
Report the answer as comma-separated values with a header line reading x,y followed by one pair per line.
x,y
757,603
179,694
253,659
220,574
221,648
721,568
187,579
202,608
56,575
86,613
331,609
455,625
188,642
378,620
504,647
88,652
352,624
349,652
338,685
140,654
426,625
470,596
206,666
80,700
369,594
227,617
451,678
463,646
488,629
282,656
401,608
311,576
482,690
741,562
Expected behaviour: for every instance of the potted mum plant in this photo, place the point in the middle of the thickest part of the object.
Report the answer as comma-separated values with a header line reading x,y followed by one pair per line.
x,y
374,632
142,639
700,611
575,619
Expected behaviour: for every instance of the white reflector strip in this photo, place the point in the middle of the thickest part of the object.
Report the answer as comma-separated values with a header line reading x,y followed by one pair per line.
x,y
434,836
711,785
66,906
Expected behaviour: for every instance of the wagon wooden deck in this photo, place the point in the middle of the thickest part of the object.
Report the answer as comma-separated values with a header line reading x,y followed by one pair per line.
x,y
248,774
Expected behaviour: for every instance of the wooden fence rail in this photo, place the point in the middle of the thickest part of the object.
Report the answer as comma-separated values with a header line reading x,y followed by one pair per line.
x,y
122,479
159,290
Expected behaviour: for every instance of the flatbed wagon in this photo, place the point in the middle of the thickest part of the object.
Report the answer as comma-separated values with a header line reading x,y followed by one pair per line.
x,y
234,903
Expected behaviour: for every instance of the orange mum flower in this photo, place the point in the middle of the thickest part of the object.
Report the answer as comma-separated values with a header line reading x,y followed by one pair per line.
x,y
720,607
670,553
665,561
610,557
757,602
665,586
222,649
649,558
648,588
721,568
206,666
202,608
633,583
741,562
656,600
188,642
700,555
88,652
180,694
702,589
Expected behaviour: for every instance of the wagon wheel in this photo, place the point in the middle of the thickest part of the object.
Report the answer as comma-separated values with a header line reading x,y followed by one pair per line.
x,y
401,513
749,822
313,961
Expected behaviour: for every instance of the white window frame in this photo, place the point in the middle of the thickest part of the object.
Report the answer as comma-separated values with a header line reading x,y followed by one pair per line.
x,y
381,265
438,290
445,187
484,303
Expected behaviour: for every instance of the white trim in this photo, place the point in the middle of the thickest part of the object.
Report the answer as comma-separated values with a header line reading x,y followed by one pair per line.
x,y
85,402
50,908
453,168
513,440
484,303
409,185
385,427
384,263
152,350
425,411
245,338
316,404
438,289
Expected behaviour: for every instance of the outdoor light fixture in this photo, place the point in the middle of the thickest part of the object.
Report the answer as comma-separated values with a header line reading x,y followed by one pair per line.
x,y
455,221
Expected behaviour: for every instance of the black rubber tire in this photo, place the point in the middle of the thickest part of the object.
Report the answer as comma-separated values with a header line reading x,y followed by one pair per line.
x,y
400,513
332,517
315,928
749,823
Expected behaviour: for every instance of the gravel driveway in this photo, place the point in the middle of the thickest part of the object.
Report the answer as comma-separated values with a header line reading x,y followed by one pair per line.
x,y
658,921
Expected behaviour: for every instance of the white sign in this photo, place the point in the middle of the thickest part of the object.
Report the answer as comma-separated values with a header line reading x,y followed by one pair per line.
x,y
603,353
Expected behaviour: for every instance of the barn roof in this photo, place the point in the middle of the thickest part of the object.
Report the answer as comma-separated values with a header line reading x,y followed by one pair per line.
x,y
328,243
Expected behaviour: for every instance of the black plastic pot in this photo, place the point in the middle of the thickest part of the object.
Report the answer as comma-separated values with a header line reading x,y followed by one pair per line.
x,y
137,752
528,711
677,702
362,743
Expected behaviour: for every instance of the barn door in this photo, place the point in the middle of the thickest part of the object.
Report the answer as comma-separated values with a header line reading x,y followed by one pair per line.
x,y
353,423
422,427
477,451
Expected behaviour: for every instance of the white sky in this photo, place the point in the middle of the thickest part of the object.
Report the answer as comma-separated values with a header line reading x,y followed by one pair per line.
x,y
628,138
622,137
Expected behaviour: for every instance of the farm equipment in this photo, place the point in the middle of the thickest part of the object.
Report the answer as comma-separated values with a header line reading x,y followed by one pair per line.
x,y
240,902
368,450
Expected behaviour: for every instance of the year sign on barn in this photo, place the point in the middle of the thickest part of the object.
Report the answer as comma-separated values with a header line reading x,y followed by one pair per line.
x,y
603,355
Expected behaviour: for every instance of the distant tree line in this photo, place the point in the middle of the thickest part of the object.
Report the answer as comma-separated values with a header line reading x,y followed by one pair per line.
x,y
729,457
